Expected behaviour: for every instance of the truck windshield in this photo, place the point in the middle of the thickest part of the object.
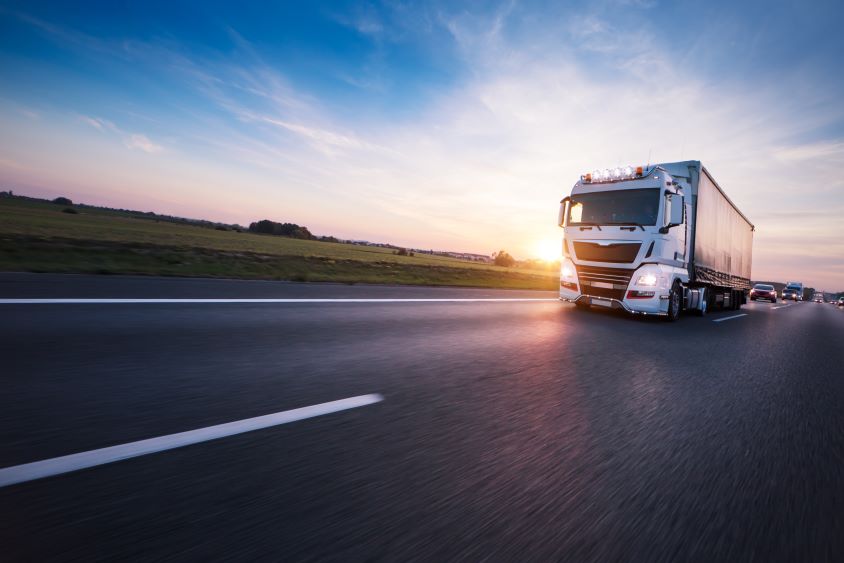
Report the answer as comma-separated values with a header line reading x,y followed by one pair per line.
x,y
617,207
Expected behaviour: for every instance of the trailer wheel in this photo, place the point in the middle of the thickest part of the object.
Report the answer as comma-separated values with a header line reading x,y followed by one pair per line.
x,y
675,300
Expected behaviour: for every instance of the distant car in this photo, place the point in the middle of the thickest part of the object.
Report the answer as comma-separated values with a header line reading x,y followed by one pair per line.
x,y
818,299
763,291
790,294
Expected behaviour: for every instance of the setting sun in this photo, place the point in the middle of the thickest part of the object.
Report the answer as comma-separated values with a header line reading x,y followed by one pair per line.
x,y
549,250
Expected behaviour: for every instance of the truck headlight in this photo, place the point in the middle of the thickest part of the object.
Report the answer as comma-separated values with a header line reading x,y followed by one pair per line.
x,y
567,270
647,279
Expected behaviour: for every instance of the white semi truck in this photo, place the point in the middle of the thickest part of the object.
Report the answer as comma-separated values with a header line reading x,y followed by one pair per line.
x,y
654,240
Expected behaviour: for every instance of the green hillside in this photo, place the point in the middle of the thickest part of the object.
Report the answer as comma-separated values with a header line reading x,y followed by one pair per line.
x,y
39,236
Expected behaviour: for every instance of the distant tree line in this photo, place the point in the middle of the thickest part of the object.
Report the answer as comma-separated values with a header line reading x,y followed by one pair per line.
x,y
503,258
292,230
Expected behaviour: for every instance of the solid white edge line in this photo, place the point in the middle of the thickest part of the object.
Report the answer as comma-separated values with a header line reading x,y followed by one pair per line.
x,y
729,318
68,301
84,460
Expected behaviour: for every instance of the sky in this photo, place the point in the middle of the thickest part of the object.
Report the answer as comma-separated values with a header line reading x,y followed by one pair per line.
x,y
447,125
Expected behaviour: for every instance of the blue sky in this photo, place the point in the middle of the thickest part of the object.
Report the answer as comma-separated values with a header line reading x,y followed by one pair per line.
x,y
449,125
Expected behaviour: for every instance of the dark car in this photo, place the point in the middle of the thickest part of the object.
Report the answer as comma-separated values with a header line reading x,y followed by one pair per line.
x,y
790,294
841,301
763,291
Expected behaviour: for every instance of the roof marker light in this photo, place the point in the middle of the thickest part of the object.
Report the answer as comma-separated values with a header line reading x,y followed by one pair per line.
x,y
612,174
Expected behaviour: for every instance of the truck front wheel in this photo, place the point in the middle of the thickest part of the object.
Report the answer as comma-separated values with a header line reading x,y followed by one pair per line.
x,y
674,301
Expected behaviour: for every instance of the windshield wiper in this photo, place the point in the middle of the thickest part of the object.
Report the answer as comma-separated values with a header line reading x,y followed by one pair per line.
x,y
584,226
631,224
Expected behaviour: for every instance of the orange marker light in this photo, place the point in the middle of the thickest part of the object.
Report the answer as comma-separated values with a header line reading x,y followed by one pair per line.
x,y
639,171
587,177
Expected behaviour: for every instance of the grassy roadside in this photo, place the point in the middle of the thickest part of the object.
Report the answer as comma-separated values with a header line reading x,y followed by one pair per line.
x,y
38,237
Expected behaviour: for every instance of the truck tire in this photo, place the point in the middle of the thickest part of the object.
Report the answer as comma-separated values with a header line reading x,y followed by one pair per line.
x,y
675,301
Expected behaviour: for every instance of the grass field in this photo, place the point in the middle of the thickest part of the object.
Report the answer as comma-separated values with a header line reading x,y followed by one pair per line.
x,y
37,236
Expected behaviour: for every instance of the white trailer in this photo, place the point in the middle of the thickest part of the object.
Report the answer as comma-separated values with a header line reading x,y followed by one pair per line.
x,y
654,240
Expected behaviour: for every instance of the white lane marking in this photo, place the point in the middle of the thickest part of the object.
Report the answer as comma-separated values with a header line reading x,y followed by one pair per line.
x,y
729,318
70,301
84,460
781,307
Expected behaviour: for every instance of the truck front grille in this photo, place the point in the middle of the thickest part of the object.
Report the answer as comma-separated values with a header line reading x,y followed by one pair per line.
x,y
620,252
603,282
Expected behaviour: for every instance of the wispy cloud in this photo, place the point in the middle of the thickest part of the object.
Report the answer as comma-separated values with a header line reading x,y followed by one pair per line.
x,y
829,151
142,142
71,37
364,19
130,140
95,123
99,124
324,139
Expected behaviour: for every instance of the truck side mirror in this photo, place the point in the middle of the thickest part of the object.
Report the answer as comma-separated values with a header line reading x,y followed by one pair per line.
x,y
674,212
677,209
562,216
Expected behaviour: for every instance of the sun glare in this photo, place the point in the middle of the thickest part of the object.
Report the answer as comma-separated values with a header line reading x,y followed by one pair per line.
x,y
549,250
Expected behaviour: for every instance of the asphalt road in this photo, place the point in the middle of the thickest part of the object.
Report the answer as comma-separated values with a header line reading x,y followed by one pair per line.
x,y
526,431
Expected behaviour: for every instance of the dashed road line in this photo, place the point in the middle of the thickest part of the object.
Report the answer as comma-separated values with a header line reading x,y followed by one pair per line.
x,y
728,318
84,460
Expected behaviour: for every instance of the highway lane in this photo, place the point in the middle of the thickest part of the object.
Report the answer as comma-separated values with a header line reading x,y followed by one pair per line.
x,y
527,430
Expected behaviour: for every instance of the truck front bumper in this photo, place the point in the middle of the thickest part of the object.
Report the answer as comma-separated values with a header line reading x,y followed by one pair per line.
x,y
654,306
